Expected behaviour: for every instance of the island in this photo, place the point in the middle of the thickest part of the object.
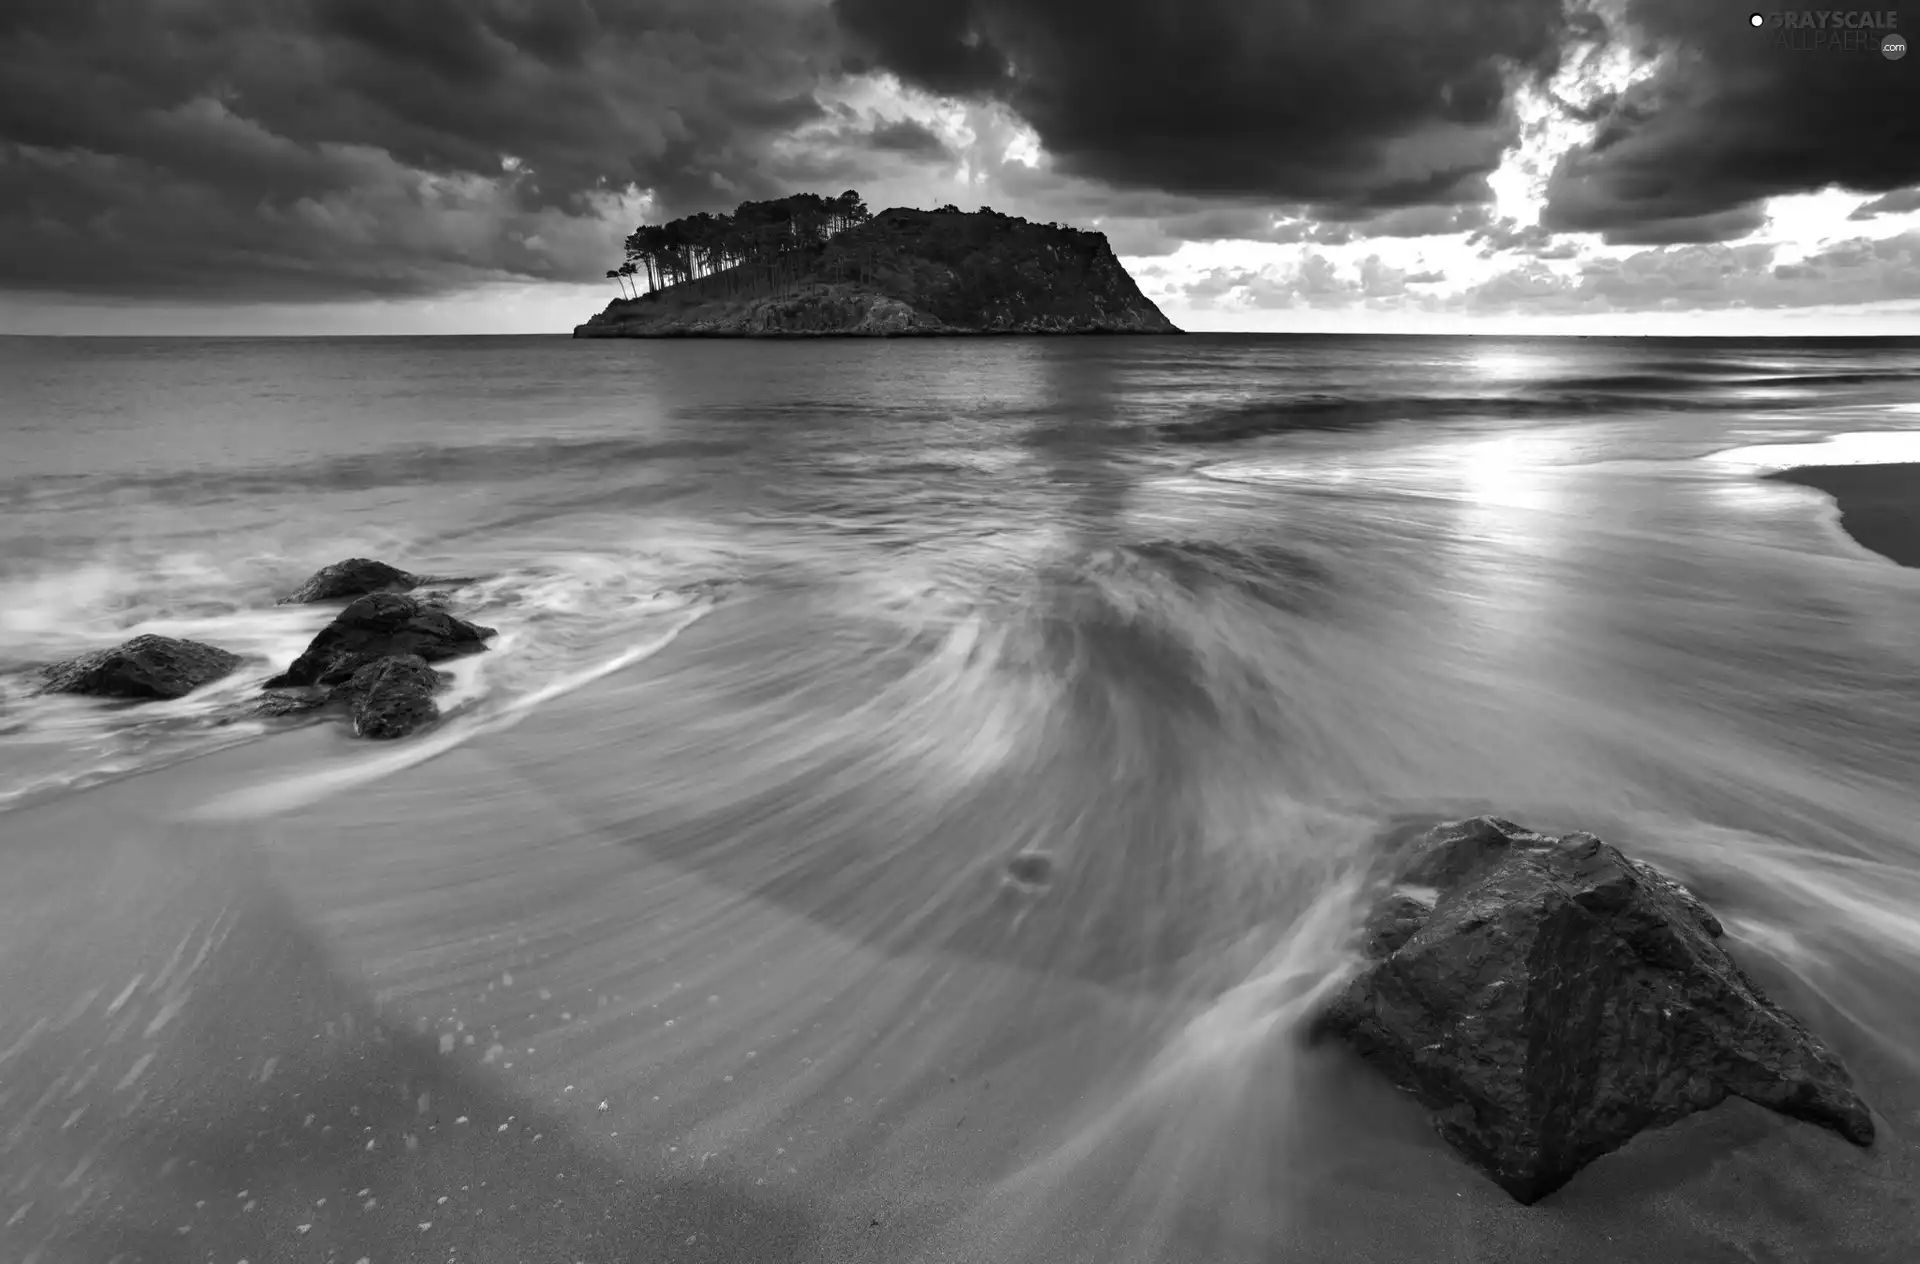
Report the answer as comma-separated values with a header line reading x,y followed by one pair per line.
x,y
814,266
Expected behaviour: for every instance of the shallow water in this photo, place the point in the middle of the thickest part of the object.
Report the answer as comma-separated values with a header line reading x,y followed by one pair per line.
x,y
800,645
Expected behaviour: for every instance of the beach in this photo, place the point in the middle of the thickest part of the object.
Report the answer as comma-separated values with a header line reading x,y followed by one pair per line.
x,y
523,1036
690,931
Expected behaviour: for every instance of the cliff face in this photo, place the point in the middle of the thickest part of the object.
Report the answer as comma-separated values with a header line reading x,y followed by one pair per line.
x,y
909,273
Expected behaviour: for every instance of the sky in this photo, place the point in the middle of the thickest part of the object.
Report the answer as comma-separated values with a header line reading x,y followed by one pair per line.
x,y
471,166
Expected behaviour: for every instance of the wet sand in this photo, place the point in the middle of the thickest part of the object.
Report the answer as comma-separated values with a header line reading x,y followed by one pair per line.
x,y
1879,504
525,1033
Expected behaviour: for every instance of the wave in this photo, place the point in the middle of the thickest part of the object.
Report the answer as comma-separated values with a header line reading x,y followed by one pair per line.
x,y
1122,709
301,789
1851,378
556,612
1345,412
1563,397
421,465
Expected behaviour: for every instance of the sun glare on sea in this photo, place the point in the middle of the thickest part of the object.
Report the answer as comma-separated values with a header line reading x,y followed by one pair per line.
x,y
1504,364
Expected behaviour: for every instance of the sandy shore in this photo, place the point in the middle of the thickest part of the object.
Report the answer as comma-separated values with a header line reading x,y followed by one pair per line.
x,y
457,1014
1879,504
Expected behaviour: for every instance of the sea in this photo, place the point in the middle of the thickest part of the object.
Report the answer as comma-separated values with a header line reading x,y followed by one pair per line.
x,y
1017,707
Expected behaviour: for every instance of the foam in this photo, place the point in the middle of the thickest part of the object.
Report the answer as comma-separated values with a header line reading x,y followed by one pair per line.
x,y
288,794
1865,447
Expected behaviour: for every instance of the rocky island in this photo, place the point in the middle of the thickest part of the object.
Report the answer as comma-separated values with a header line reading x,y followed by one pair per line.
x,y
821,267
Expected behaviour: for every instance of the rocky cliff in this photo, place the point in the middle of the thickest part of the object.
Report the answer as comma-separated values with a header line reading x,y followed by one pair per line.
x,y
908,273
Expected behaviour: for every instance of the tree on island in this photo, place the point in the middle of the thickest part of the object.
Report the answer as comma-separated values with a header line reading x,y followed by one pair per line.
x,y
760,245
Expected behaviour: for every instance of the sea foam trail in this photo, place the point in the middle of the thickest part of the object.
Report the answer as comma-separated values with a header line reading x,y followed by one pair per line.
x,y
287,794
1854,447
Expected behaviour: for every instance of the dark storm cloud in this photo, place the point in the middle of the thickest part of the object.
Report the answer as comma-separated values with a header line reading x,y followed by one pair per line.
x,y
1731,116
1730,225
1374,106
284,148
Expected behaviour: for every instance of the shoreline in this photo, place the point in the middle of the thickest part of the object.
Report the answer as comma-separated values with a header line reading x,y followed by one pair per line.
x,y
697,1050
1879,504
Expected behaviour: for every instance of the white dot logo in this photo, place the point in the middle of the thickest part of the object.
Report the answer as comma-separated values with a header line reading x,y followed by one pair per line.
x,y
1893,48
1756,20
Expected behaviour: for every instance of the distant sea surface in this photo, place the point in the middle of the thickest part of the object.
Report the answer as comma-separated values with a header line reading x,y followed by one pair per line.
x,y
839,626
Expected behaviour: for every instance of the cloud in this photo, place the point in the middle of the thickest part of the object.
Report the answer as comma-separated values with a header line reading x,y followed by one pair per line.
x,y
1726,117
337,147
1145,238
909,136
1896,203
1741,221
1709,277
1313,281
1703,277
1506,233
1413,221
236,151
1375,106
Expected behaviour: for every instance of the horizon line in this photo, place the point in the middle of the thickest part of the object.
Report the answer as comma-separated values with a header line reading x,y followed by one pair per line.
x,y
567,335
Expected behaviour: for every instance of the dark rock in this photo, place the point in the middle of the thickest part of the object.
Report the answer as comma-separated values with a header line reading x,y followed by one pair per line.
x,y
358,576
1449,854
277,706
145,668
355,577
1394,921
1685,898
1558,997
381,625
392,697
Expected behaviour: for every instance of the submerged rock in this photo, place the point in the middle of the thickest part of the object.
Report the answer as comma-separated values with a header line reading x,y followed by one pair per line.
x,y
392,697
1548,998
358,576
1030,869
381,625
145,668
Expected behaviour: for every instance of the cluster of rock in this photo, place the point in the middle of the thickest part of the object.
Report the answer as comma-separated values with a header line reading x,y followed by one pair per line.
x,y
373,659
1547,998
